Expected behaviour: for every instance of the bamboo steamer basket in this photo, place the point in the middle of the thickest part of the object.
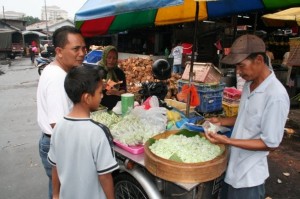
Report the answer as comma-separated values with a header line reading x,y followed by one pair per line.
x,y
184,172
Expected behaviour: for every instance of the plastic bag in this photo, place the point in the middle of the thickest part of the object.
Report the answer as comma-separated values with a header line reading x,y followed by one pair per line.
x,y
195,99
151,102
213,128
155,116
118,108
183,95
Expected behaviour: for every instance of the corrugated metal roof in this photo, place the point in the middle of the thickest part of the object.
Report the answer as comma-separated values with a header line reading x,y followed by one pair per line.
x,y
25,32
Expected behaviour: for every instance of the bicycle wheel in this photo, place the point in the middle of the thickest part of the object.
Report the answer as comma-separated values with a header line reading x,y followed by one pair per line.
x,y
126,187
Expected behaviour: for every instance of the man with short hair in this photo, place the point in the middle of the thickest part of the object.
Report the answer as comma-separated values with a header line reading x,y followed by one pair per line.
x,y
259,125
52,100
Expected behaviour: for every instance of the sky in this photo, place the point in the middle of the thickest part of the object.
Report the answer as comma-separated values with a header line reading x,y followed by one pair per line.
x,y
34,7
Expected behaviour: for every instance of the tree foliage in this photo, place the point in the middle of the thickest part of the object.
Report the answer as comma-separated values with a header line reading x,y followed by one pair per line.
x,y
31,20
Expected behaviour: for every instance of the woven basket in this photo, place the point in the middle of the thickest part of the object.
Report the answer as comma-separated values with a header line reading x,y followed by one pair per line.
x,y
184,172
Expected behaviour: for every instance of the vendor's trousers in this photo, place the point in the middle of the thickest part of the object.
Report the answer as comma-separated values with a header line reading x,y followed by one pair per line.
x,y
229,192
44,146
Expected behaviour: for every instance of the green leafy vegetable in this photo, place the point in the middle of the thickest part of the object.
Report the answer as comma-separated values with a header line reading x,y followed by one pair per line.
x,y
186,149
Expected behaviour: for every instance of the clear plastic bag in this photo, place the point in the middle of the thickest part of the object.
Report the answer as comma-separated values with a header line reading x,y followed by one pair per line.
x,y
155,116
213,128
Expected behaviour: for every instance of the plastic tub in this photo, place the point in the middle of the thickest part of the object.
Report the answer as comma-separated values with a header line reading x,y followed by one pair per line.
x,y
232,93
230,110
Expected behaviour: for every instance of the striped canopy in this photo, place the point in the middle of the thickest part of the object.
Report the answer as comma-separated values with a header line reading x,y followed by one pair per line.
x,y
100,17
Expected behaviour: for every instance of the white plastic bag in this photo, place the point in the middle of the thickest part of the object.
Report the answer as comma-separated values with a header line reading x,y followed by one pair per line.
x,y
118,108
213,128
155,116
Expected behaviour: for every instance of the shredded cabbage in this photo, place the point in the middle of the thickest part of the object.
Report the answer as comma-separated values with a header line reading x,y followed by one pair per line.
x,y
188,149
131,130
105,118
135,128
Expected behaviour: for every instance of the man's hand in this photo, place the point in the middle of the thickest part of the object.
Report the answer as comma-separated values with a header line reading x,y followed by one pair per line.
x,y
112,92
216,138
214,120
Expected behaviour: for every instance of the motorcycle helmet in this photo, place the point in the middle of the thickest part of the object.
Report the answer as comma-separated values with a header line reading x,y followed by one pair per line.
x,y
161,69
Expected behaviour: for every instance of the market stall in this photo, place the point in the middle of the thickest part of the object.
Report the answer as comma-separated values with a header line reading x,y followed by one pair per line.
x,y
149,118
141,173
146,174
114,17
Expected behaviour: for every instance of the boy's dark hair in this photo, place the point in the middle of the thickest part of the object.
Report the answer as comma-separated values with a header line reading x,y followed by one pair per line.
x,y
81,80
60,35
252,56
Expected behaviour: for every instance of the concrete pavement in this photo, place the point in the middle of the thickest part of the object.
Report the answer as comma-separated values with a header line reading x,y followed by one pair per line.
x,y
21,172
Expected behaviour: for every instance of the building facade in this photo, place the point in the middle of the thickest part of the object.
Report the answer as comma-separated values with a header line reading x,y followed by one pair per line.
x,y
53,13
12,15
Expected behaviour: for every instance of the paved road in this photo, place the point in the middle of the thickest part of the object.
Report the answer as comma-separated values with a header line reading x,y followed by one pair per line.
x,y
21,172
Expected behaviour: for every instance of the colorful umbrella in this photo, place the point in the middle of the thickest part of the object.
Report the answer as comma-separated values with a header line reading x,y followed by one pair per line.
x,y
96,17
99,17
288,17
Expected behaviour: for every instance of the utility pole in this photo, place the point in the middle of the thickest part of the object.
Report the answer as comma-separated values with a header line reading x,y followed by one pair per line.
x,y
3,13
46,19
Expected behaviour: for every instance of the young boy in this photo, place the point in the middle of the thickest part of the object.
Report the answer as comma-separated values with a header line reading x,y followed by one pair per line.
x,y
81,150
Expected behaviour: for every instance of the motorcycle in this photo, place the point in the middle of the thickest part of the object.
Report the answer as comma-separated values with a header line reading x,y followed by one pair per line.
x,y
42,61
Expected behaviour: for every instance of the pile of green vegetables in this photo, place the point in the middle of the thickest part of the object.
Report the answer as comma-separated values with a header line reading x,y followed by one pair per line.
x,y
129,130
187,147
106,118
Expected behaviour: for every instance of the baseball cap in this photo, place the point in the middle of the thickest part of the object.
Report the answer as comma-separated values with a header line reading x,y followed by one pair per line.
x,y
242,47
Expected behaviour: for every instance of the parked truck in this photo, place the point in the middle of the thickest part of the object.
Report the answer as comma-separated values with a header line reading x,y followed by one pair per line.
x,y
11,44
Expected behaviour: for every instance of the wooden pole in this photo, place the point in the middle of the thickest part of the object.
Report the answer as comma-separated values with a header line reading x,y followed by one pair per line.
x,y
191,74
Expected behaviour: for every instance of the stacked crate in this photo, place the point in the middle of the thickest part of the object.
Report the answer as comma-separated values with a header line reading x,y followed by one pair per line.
x,y
231,101
210,95
206,78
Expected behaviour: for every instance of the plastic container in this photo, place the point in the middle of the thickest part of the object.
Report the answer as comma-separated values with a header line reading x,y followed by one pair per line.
x,y
201,86
210,101
232,93
191,124
211,96
210,104
131,149
230,110
187,48
93,57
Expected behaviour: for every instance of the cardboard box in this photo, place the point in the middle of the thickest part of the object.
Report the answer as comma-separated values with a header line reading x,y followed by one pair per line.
x,y
181,106
203,73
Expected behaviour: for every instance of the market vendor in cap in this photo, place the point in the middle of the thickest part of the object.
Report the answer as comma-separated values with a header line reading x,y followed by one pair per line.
x,y
114,77
259,125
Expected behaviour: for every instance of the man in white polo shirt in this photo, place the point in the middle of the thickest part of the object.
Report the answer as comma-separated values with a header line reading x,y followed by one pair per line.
x,y
259,125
